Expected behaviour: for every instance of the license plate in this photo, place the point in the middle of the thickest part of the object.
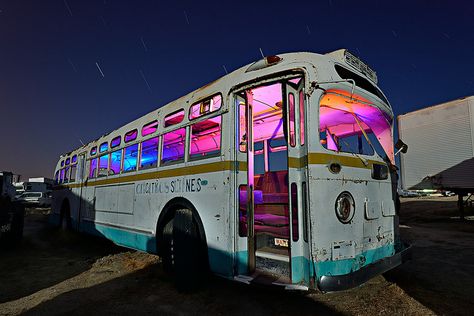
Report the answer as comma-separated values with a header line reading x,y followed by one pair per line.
x,y
281,242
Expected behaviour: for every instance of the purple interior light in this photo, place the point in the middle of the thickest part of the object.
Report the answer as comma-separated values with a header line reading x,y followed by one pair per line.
x,y
68,161
115,142
130,136
173,145
206,138
74,159
149,128
62,163
93,151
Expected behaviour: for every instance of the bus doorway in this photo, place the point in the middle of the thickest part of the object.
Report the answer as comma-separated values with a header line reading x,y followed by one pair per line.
x,y
266,200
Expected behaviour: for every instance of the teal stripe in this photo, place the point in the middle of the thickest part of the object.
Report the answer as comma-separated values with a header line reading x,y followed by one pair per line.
x,y
345,266
122,237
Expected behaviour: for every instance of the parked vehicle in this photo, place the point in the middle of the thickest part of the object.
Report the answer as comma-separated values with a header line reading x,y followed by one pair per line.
x,y
11,213
41,199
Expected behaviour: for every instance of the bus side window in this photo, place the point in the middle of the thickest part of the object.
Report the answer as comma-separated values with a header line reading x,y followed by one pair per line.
x,y
72,177
61,178
149,153
130,158
103,165
93,168
173,146
115,162
206,138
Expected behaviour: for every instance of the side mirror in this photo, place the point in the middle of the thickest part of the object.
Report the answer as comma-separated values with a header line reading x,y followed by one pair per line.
x,y
401,147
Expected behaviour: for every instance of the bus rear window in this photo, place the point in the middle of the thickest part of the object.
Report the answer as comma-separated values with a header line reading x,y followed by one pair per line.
x,y
206,138
173,146
205,107
174,118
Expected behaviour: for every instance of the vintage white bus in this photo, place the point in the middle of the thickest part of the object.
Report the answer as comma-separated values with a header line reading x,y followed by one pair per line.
x,y
281,172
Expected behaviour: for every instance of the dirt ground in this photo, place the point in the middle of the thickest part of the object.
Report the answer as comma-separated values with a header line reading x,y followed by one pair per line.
x,y
54,272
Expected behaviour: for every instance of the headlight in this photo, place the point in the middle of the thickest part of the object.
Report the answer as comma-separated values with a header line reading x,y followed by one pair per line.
x,y
345,207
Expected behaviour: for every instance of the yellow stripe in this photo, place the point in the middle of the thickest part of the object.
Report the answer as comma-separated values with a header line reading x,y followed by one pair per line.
x,y
312,158
326,159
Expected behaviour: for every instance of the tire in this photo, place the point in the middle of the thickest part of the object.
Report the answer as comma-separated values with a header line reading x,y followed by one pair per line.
x,y
167,256
188,263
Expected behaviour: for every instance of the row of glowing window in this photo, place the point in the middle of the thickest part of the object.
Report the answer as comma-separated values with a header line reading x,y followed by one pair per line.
x,y
197,110
205,141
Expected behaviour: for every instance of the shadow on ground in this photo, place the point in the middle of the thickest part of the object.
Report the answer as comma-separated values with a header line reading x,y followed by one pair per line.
x,y
150,291
45,257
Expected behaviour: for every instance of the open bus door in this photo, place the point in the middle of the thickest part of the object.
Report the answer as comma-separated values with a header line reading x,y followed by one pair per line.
x,y
266,179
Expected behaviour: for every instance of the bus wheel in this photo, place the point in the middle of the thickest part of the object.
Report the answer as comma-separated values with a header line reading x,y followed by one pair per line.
x,y
65,218
186,253
167,251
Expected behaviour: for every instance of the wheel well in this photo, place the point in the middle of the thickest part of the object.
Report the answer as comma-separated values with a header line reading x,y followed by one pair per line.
x,y
168,213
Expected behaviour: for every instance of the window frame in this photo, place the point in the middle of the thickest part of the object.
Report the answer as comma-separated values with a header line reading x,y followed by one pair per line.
x,y
202,119
172,162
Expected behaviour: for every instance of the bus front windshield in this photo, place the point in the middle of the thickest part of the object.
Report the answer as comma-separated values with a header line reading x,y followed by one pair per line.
x,y
354,125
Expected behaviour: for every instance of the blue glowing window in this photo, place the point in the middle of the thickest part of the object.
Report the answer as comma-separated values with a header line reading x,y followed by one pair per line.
x,y
173,146
103,147
68,161
103,165
93,150
149,156
74,159
115,142
62,163
115,162
61,177
130,158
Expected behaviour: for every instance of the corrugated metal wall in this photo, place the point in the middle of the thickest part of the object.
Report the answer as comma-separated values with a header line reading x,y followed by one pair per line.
x,y
440,145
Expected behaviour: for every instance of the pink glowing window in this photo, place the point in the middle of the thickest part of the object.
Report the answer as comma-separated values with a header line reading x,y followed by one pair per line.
x,y
149,128
206,138
149,154
354,125
205,107
93,168
115,142
173,146
174,118
295,81
302,118
74,159
103,147
291,101
93,151
131,136
68,161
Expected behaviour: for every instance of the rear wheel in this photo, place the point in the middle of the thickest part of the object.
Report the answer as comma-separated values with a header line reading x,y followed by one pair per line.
x,y
189,267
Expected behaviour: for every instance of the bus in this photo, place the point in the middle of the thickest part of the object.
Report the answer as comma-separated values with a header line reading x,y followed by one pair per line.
x,y
281,172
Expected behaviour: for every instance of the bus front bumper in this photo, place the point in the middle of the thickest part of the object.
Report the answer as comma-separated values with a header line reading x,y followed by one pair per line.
x,y
331,283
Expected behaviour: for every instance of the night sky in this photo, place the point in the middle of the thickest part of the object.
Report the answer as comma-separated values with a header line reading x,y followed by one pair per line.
x,y
73,70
